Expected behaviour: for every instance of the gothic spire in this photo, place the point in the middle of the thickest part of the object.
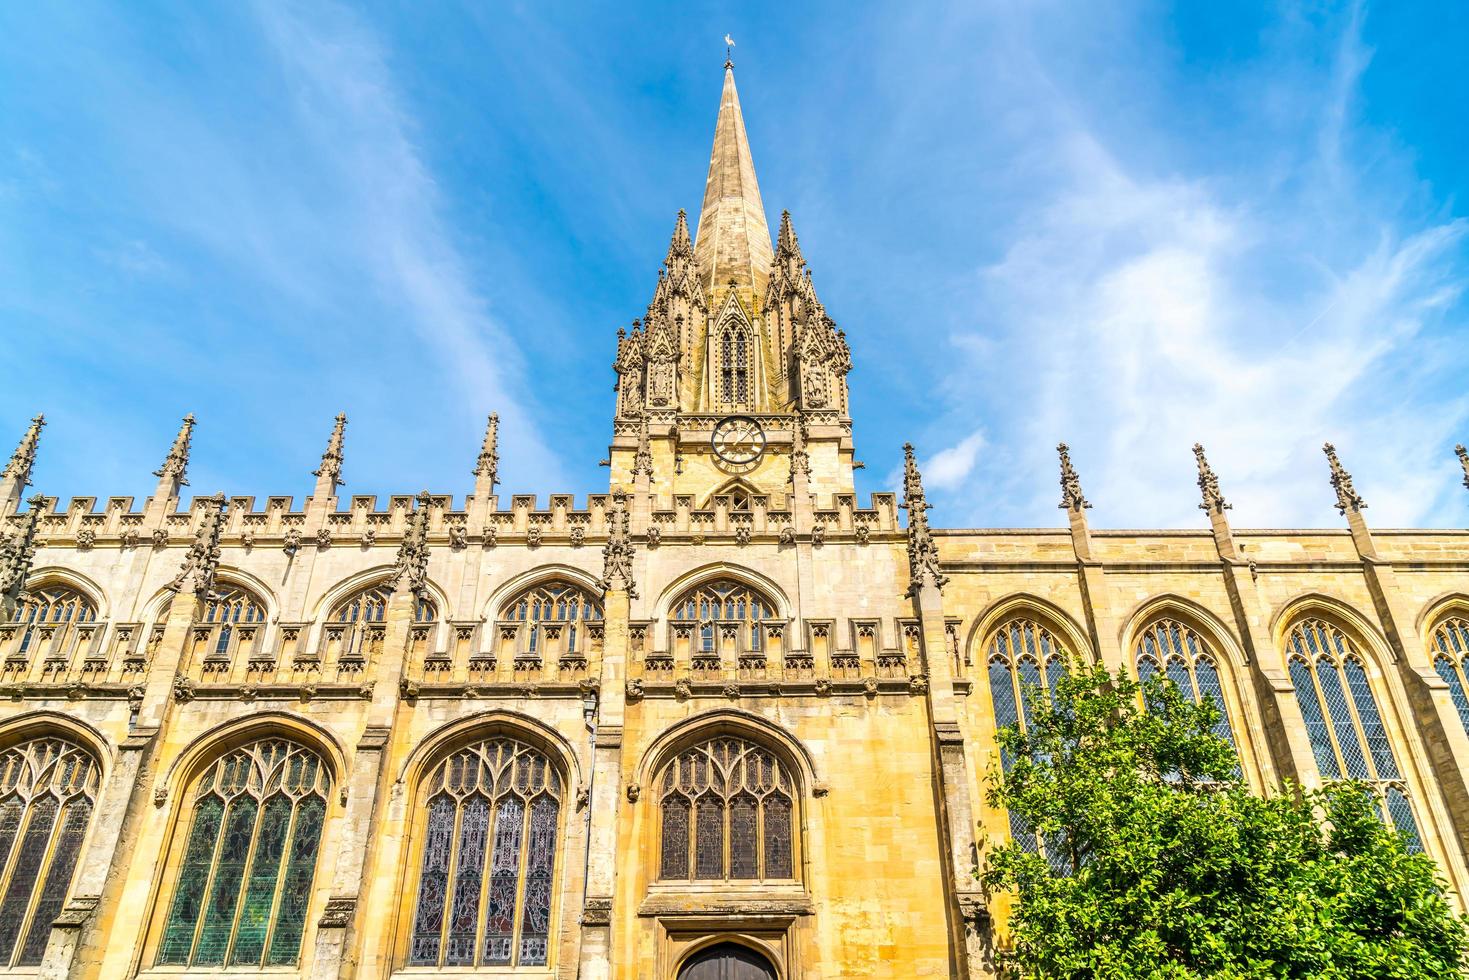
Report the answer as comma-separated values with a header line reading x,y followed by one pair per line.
x,y
733,242
201,563
24,457
1209,485
487,467
923,555
1347,497
17,551
1071,495
680,246
411,568
174,471
329,476
1463,455
787,248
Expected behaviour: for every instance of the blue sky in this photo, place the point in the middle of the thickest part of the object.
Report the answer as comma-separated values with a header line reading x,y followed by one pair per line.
x,y
1129,225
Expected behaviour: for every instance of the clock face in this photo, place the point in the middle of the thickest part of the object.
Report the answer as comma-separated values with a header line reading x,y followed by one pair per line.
x,y
738,441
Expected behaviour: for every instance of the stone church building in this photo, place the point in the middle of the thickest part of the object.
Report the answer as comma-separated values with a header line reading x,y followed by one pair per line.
x,y
725,721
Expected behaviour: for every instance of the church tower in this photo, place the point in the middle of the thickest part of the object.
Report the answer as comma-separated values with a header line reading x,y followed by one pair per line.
x,y
734,381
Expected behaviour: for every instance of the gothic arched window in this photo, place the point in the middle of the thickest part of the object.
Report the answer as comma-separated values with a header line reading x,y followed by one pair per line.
x,y
233,615
1451,660
734,364
725,609
47,611
489,852
728,810
1023,657
1177,652
1343,724
554,612
249,859
363,615
48,788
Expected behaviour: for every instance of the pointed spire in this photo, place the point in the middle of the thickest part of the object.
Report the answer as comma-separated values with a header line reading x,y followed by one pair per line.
x,y
17,551
1209,485
1071,495
19,467
1347,497
1463,455
174,471
201,563
733,244
787,248
487,467
680,246
329,476
923,555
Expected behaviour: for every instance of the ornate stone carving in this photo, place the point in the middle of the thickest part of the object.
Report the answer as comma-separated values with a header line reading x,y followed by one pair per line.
x,y
24,457
329,474
863,533
338,913
788,535
1209,485
917,684
1347,497
869,687
201,561
411,568
642,461
823,687
458,536
1463,455
86,538
732,691
369,537
18,551
160,795
249,693
176,464
487,467
491,535
323,539
742,533
633,792
183,690
247,539
818,533
655,536
160,537
131,539
578,535
292,541
923,554
681,689
1071,495
618,552
597,912
583,799
533,536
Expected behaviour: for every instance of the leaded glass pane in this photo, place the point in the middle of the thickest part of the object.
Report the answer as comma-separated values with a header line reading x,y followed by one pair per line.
x,y
504,878
1002,694
1341,719
474,833
1401,812
1209,687
1316,728
1447,671
260,890
1377,743
295,895
224,891
1030,681
535,915
743,858
183,918
33,845
725,603
675,862
778,836
433,883
709,837
58,879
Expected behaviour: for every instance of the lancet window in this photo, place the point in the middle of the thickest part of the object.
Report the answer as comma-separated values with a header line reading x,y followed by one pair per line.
x,y
1347,735
734,364
1451,660
357,623
1026,660
249,859
46,615
48,789
727,813
486,873
725,610
1176,652
553,618
233,618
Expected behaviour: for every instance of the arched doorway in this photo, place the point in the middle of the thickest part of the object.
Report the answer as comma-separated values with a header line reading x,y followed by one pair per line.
x,y
727,961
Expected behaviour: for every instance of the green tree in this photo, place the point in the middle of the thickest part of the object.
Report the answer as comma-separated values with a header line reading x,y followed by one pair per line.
x,y
1155,859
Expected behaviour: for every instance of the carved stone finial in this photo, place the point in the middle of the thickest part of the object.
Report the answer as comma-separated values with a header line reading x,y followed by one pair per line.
x,y
24,457
1347,497
411,568
617,553
923,554
201,561
1071,495
800,458
17,552
1463,455
176,463
330,472
487,467
1209,485
642,462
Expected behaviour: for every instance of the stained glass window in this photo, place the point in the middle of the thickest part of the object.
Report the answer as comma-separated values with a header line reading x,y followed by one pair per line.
x,y
726,603
57,606
489,854
741,801
1176,651
554,605
1451,660
48,788
249,859
1348,737
1024,657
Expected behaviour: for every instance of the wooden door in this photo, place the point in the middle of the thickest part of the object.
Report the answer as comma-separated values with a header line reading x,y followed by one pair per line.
x,y
727,961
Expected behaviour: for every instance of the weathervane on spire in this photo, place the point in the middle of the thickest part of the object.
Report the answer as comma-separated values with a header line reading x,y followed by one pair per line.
x,y
728,51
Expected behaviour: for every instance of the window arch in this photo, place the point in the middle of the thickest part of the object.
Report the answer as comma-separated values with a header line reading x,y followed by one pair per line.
x,y
230,622
356,625
726,613
489,836
1450,650
47,612
727,813
1177,652
552,615
249,859
1343,724
48,789
1023,655
734,364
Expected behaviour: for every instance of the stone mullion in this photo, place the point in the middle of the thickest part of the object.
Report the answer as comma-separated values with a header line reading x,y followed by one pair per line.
x,y
604,802
371,772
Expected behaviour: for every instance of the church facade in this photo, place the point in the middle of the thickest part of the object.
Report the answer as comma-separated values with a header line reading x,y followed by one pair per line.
x,y
723,722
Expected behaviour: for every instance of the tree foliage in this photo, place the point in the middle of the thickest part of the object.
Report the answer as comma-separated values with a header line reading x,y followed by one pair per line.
x,y
1157,861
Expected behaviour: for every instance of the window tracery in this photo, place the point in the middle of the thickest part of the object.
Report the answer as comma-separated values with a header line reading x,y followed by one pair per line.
x,y
54,607
1024,657
489,852
727,808
233,616
1347,735
361,617
1451,660
555,613
726,608
249,859
48,789
734,364
1176,652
